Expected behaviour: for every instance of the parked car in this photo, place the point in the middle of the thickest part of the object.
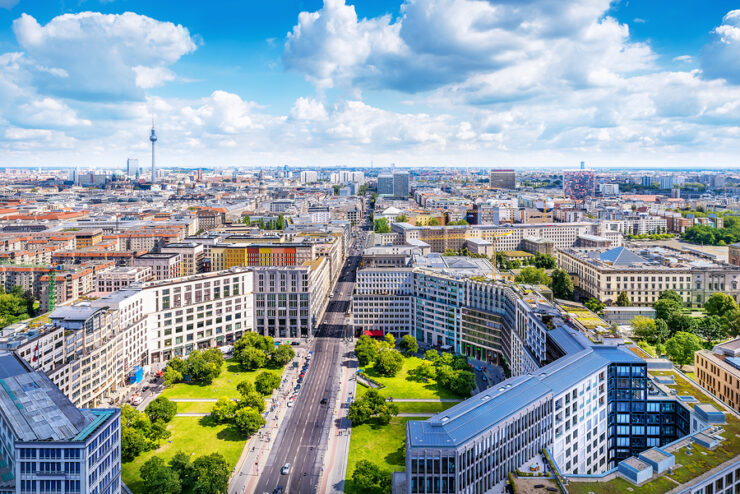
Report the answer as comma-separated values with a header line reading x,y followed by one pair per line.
x,y
324,401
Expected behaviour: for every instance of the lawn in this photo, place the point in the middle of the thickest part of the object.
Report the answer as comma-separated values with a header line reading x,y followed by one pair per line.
x,y
191,435
620,486
684,387
381,445
223,385
402,387
423,407
194,406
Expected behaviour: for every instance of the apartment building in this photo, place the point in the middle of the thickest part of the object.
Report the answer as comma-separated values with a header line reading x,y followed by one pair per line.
x,y
646,273
382,302
192,256
48,444
164,266
88,238
258,252
119,278
719,371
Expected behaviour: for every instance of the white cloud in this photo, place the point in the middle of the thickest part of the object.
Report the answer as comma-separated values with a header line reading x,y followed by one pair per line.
x,y
8,4
308,109
720,58
101,57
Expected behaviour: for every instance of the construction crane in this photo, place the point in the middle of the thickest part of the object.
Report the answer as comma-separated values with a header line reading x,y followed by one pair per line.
x,y
484,235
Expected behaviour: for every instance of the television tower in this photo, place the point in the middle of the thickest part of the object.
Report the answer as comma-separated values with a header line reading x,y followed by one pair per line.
x,y
153,138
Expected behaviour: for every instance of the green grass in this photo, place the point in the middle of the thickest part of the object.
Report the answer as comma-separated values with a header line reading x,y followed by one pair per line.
x,y
223,385
620,486
191,435
402,387
194,406
684,387
423,407
381,445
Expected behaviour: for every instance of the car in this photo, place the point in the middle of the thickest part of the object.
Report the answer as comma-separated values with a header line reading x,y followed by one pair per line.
x,y
286,469
302,375
290,404
297,387
278,490
300,380
136,400
324,401
295,343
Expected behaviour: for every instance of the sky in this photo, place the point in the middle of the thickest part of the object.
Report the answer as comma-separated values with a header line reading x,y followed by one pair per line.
x,y
519,83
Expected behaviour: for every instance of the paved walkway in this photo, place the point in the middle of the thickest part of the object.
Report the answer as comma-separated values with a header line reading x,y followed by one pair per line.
x,y
192,414
197,400
426,400
416,415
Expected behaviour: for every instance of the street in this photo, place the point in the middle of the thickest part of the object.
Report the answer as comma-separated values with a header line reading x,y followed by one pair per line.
x,y
302,439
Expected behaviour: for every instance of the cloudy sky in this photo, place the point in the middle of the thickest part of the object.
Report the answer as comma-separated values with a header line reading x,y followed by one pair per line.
x,y
414,82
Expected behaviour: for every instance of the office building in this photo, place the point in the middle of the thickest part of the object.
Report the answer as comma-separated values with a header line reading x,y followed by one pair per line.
x,y
503,179
382,302
47,444
401,184
132,167
192,256
309,177
112,280
164,265
719,371
385,184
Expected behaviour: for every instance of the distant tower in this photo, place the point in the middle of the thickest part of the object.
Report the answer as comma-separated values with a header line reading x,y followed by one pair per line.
x,y
153,138
583,165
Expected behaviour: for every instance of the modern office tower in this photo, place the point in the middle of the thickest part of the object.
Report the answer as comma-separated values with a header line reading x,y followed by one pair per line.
x,y
579,184
132,165
666,182
309,177
49,445
153,139
647,181
382,301
401,184
385,184
503,179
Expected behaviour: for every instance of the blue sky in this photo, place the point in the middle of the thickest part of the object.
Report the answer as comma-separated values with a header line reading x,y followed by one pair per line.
x,y
415,82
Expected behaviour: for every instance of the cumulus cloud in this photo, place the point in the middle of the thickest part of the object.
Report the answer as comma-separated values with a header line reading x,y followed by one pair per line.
x,y
721,56
101,56
8,4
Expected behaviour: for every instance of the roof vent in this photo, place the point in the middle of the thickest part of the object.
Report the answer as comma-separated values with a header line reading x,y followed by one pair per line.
x,y
445,419
485,398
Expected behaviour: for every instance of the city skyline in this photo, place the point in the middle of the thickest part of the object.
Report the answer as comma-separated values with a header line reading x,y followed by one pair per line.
x,y
310,84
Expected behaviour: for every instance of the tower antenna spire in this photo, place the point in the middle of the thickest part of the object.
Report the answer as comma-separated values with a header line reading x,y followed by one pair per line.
x,y
153,139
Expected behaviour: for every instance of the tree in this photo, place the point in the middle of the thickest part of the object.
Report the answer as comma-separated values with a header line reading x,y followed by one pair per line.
x,y
402,218
381,226
180,464
204,367
248,421
711,329
431,355
720,304
671,295
253,400
280,222
462,383
595,305
389,341
409,345
171,376
662,332
389,362
371,406
681,348
562,284
533,276
161,409
266,381
623,300
252,358
545,261
679,322
366,476
366,350
158,431
665,307
158,477
212,473
133,443
245,387
223,411
434,222
425,370
246,219
644,328
282,355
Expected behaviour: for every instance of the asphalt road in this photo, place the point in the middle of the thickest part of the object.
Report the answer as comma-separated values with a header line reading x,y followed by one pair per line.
x,y
303,435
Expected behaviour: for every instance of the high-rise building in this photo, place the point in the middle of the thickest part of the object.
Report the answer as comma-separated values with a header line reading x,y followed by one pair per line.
x,y
666,182
308,177
385,184
132,165
400,184
503,179
647,181
579,184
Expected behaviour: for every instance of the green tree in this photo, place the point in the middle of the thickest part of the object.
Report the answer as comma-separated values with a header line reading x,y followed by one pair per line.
x,y
562,284
204,367
595,305
366,350
367,476
133,443
711,328
158,431
171,376
245,387
644,328
158,477
402,218
533,276
282,355
161,409
434,222
389,362
409,345
252,358
662,332
180,464
545,261
266,381
336,189
720,304
623,300
248,421
665,307
223,411
671,295
212,473
462,382
681,348
280,222
431,355
246,219
253,400
381,226
425,370
679,322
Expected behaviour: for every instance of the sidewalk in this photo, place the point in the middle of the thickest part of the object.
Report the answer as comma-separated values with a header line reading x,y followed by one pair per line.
x,y
334,470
